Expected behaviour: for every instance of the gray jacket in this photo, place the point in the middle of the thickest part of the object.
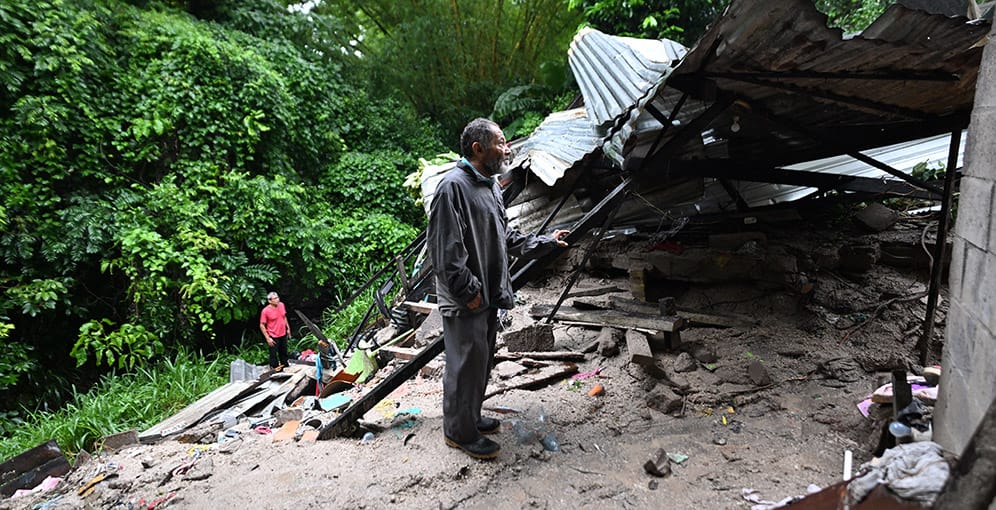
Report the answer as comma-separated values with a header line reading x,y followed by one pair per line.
x,y
469,243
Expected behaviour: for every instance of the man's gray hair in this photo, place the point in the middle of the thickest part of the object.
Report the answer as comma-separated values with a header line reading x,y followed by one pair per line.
x,y
271,294
479,130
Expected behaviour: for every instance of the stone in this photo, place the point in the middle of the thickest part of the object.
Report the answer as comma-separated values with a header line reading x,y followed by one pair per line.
x,y
701,352
858,259
508,369
876,217
659,464
608,342
665,400
430,329
534,337
685,363
287,415
758,373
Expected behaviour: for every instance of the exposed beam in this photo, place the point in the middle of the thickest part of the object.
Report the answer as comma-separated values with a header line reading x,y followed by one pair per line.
x,y
888,76
524,274
837,98
923,345
764,173
841,148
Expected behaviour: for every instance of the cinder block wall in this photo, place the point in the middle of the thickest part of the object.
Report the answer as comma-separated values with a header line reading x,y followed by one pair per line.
x,y
968,376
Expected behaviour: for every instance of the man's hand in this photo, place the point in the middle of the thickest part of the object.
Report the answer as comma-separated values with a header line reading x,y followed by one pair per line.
x,y
270,342
559,235
475,303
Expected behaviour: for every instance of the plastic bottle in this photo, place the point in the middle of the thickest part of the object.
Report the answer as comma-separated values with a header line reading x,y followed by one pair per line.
x,y
900,430
522,432
550,442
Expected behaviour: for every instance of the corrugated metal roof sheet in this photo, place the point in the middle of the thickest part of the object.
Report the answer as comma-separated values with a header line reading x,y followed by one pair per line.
x,y
903,156
616,74
561,141
781,63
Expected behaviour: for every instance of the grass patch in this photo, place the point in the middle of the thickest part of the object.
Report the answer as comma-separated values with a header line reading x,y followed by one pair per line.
x,y
119,403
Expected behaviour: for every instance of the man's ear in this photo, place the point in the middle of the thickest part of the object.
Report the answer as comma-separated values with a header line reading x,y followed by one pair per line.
x,y
477,148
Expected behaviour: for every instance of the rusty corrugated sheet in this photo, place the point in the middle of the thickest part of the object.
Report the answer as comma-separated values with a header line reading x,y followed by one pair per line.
x,y
897,81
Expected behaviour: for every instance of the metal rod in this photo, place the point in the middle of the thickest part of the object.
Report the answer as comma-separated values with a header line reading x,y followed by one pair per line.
x,y
591,247
923,345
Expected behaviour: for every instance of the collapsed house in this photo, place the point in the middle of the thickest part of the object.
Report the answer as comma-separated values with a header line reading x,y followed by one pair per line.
x,y
770,108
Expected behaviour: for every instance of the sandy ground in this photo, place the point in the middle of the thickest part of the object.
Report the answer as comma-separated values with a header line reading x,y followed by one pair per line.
x,y
772,441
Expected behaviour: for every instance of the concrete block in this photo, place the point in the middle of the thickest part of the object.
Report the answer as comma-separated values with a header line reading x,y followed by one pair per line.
x,y
973,294
974,211
534,337
957,268
968,383
980,159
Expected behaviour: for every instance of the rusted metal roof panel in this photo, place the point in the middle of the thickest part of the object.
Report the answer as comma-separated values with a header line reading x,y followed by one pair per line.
x,y
911,74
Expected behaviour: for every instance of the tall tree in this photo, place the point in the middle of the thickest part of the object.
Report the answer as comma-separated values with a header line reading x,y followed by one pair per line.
x,y
683,21
452,59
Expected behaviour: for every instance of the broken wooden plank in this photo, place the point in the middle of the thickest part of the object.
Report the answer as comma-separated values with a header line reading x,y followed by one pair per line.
x,y
542,355
423,307
27,469
570,315
540,377
693,318
114,442
597,291
347,422
639,348
193,413
399,353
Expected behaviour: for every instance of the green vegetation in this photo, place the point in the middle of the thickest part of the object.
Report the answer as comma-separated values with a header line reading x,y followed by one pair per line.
x,y
118,403
159,173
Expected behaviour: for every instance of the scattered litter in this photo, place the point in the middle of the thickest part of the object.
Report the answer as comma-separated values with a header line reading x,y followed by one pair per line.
x,y
586,375
677,458
46,485
914,471
596,390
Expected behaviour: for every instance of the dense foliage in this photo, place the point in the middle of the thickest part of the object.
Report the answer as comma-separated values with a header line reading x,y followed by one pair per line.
x,y
683,21
159,173
451,60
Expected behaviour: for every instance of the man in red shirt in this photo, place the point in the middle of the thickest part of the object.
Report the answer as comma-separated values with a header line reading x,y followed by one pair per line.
x,y
276,331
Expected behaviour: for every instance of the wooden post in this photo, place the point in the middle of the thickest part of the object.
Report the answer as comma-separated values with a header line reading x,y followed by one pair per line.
x,y
923,345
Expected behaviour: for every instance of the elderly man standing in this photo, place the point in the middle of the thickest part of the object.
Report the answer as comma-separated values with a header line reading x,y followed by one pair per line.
x,y
469,242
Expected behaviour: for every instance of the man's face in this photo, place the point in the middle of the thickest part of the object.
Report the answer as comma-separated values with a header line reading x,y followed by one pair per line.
x,y
495,153
273,300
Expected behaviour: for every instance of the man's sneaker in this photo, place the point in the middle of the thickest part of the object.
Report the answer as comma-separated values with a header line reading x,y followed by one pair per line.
x,y
488,425
483,448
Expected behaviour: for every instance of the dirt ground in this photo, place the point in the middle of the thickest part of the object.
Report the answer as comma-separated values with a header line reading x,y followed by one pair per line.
x,y
825,348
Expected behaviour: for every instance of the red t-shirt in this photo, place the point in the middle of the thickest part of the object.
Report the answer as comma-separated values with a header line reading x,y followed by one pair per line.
x,y
275,320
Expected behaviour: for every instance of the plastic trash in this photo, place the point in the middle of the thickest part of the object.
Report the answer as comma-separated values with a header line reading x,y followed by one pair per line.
x,y
550,443
367,438
522,432
900,430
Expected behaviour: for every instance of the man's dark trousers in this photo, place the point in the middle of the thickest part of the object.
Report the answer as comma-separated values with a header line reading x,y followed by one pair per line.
x,y
470,347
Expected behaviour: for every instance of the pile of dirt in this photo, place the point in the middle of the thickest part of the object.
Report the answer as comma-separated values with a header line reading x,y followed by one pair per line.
x,y
759,411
